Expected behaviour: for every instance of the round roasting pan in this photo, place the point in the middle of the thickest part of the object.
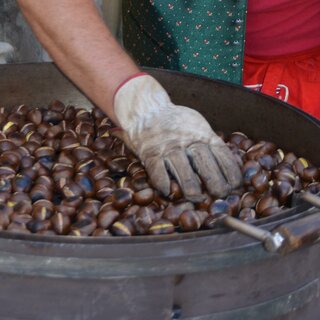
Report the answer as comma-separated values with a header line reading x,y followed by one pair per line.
x,y
218,274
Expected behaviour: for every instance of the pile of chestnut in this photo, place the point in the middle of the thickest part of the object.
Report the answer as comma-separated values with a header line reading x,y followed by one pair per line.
x,y
62,172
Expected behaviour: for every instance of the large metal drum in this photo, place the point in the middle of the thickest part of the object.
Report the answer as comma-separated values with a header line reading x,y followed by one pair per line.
x,y
217,274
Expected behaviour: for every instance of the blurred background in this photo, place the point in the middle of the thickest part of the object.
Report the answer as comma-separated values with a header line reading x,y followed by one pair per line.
x,y
17,42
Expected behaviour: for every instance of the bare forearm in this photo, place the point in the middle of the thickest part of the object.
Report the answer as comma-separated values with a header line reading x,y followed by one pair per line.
x,y
81,45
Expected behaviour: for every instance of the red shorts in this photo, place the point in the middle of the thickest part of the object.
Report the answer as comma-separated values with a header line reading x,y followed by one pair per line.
x,y
294,79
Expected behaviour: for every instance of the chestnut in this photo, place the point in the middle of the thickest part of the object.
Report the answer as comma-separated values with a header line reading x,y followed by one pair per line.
x,y
45,181
28,128
57,106
123,227
99,172
65,210
161,226
7,173
86,184
22,219
270,211
205,203
31,146
260,182
130,211
86,140
83,227
191,220
102,143
84,128
21,110
143,219
299,165
234,204
72,190
82,153
27,162
237,137
17,138
9,127
118,164
249,169
173,212
121,198
85,166
35,116
143,197
35,137
267,162
91,206
247,214
246,144
17,228
38,225
6,144
66,158
99,232
52,117
265,202
107,217
175,191
248,200
290,158
124,182
220,206
5,185
311,174
69,143
41,213
70,113
40,192
139,184
23,207
60,223
282,190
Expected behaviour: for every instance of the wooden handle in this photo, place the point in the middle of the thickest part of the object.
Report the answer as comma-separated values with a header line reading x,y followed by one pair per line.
x,y
299,233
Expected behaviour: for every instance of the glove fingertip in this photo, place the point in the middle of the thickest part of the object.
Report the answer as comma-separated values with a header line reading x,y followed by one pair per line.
x,y
158,175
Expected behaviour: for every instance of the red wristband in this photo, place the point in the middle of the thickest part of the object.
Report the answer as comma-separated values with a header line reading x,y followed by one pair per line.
x,y
136,75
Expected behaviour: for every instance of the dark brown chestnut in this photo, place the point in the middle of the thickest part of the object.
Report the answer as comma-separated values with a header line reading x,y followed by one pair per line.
x,y
60,223
40,192
143,219
247,214
282,190
161,226
35,116
260,182
265,202
191,220
123,227
143,197
83,227
121,198
107,217
72,190
86,184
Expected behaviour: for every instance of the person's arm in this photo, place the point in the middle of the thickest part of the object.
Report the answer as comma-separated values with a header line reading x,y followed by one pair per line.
x,y
167,138
81,45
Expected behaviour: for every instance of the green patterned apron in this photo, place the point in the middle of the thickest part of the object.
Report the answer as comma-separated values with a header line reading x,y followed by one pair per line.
x,y
205,37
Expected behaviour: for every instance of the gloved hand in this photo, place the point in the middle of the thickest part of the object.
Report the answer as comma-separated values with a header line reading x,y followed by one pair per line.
x,y
175,138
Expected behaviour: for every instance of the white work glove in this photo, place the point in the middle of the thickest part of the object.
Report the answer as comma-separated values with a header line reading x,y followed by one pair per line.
x,y
175,138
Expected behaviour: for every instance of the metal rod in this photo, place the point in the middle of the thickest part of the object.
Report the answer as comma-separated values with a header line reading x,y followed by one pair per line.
x,y
311,198
272,242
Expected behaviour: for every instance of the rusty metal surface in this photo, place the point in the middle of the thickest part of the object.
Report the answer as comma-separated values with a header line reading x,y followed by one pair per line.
x,y
201,274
